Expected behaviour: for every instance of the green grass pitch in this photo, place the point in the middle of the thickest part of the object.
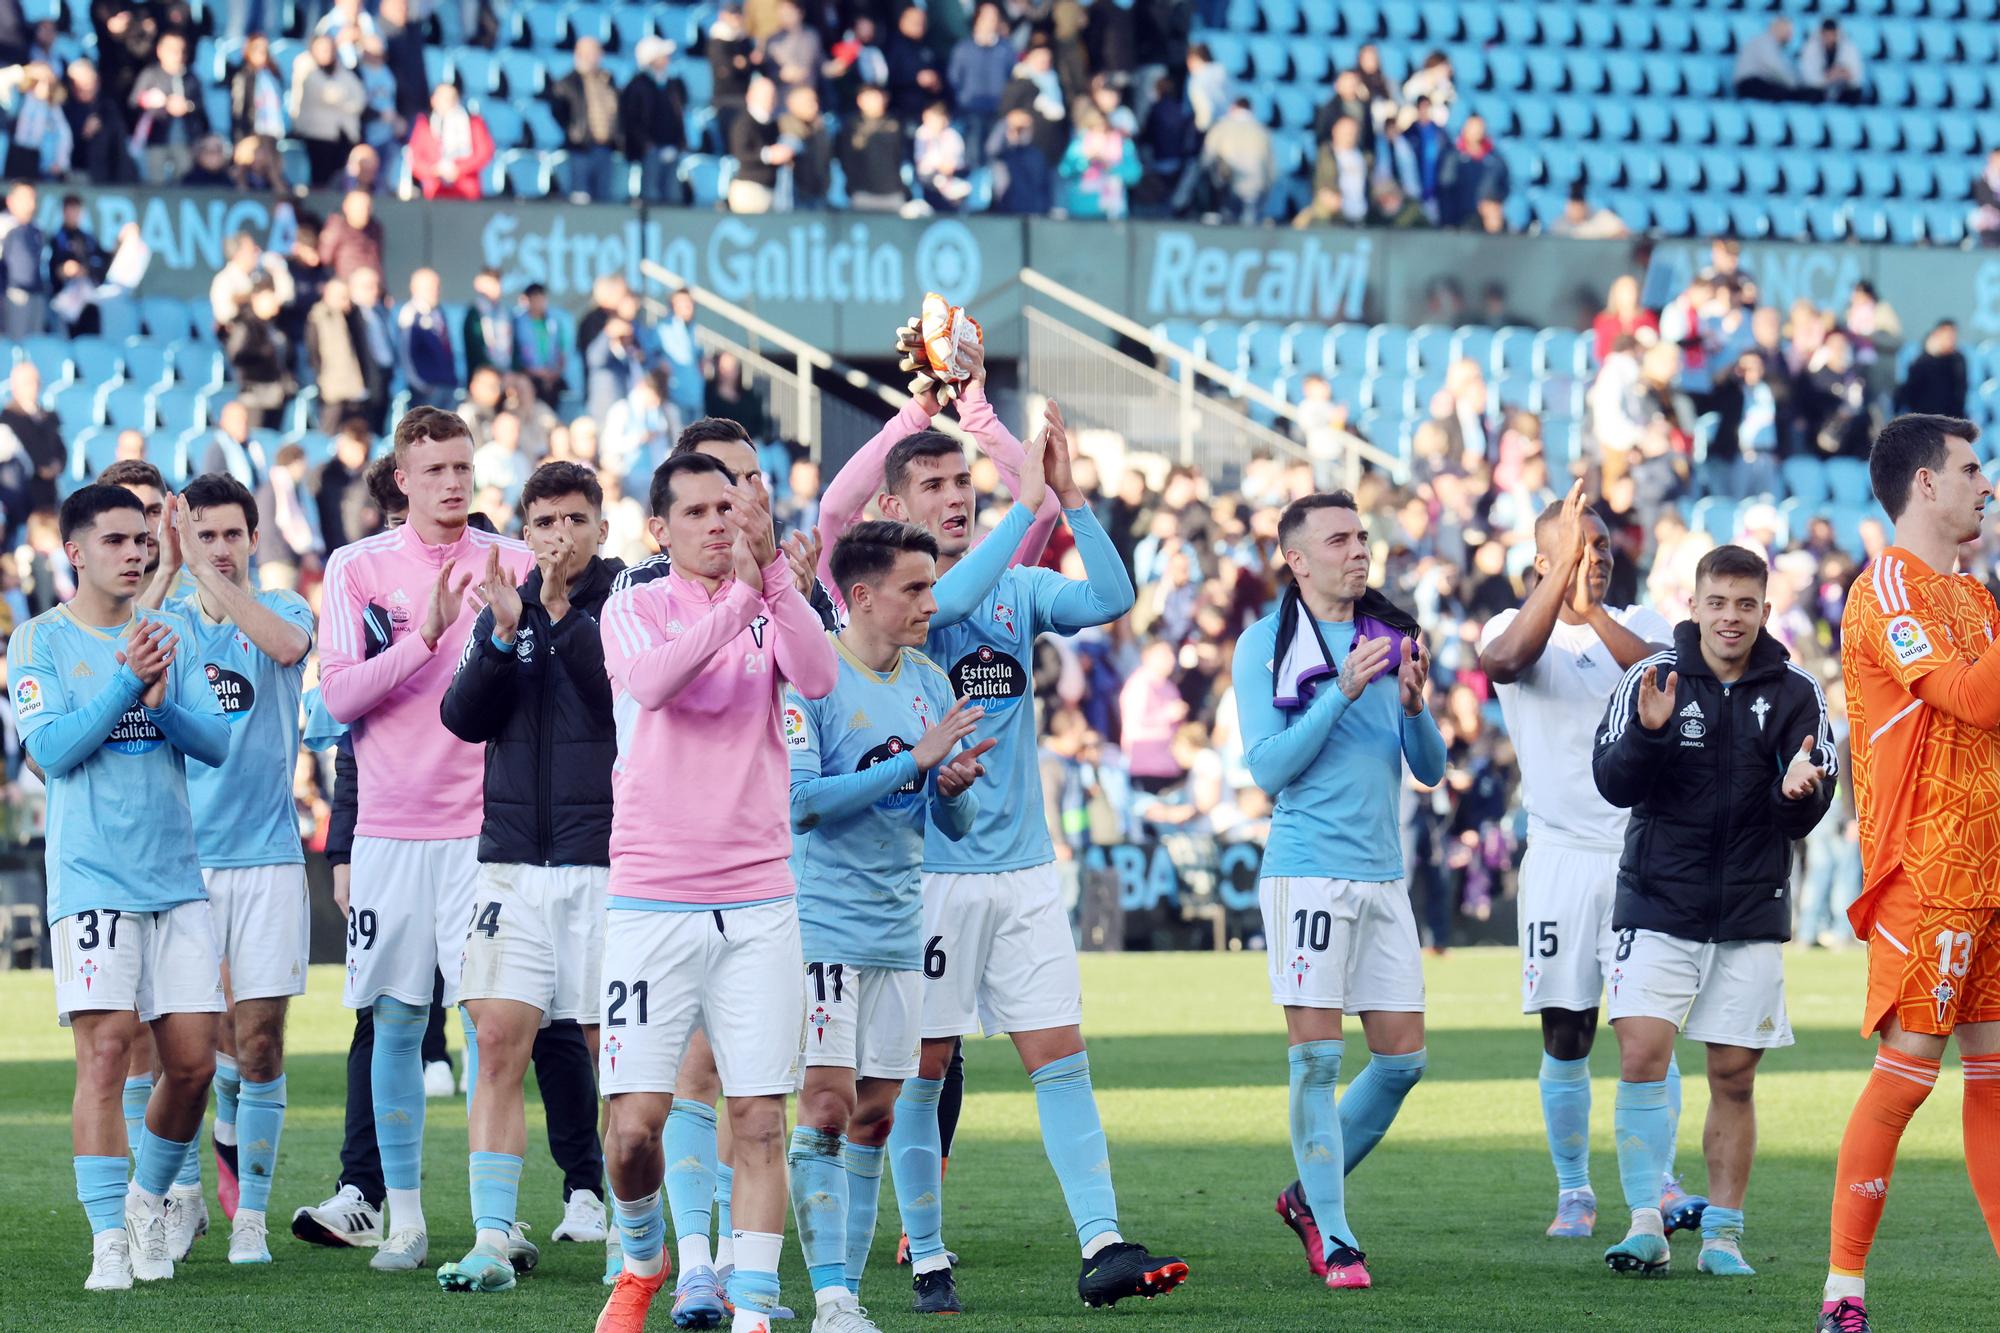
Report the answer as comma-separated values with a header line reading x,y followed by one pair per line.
x,y
1188,1057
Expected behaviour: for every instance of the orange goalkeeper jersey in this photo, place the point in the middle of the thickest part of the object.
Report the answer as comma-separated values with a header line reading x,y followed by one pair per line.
x,y
1926,785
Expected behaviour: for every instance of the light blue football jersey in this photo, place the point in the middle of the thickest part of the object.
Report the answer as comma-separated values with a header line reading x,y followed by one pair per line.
x,y
989,657
860,810
120,831
243,811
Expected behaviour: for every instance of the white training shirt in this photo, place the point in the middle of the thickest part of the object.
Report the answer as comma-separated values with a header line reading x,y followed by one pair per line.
x,y
1552,713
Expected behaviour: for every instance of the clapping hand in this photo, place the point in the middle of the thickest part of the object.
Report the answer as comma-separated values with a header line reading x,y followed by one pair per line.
x,y
935,745
1368,659
1656,702
956,777
802,553
447,603
1414,675
149,650
496,592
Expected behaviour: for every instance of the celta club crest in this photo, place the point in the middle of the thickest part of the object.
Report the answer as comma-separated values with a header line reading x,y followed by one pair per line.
x,y
611,1049
757,629
1762,709
1617,979
1003,614
353,970
922,707
820,1018
88,970
1299,969
1944,995
1532,975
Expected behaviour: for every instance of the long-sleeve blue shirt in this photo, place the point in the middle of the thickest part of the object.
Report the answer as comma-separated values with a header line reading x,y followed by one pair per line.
x,y
1334,768
984,636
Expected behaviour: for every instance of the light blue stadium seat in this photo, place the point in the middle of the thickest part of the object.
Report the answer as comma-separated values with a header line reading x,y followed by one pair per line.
x,y
1634,28
1710,215
51,357
1826,219
1521,23
1839,178
1960,135
1361,19
1967,88
1914,177
1732,124
1304,348
1695,122
476,71
1430,347
1711,33
1944,223
1222,341
540,24
1760,172
1270,58
198,364
1892,85
1507,69
1442,21
1704,78
1546,71
1868,220
95,359
1281,16
437,65
181,407
91,451
1595,30
1347,349
1474,342
1906,221
1313,63
1389,349
524,74
1559,436
125,407
1767,124
147,361
1653,120
1847,480
1319,18
75,406
588,20
1672,216
1805,479
526,173
1643,167
1264,347
1682,167
1513,351
1844,128
1750,218
1519,391
1182,333
1674,32
1585,71
1615,120
1624,75
165,318
503,121
1480,22
1561,352
1716,516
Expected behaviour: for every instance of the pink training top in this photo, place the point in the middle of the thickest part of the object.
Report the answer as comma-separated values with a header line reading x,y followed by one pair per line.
x,y
418,782
859,480
701,792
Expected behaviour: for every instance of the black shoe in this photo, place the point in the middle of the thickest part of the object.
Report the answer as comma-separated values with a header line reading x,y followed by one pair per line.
x,y
936,1293
1125,1269
1849,1316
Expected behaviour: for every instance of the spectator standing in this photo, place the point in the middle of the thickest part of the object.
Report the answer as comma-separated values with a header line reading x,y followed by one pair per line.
x,y
608,295
1830,66
488,334
872,148
793,53
1340,179
1036,86
384,128
611,362
424,344
171,116
287,542
98,135
640,429
22,256
450,148
1938,379
1432,86
652,122
1622,317
260,357
682,354
1151,710
1350,101
41,144
538,344
1833,401
728,396
75,256
499,462
1764,69
341,488
1023,183
940,161
1474,182
352,239
856,62
1100,166
39,435
754,143
1207,86
257,93
214,166
403,53
914,78
1237,154
326,106
730,52
247,267
127,33
348,26
586,106
804,130
1986,194
1168,142
377,345
1582,221
980,68
334,350
233,449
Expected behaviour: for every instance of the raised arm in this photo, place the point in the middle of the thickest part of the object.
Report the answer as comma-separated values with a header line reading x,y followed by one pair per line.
x,y
1103,594
283,634
859,480
965,585
190,717
1810,768
1516,649
804,654
351,682
1008,454
1633,741
480,698
654,668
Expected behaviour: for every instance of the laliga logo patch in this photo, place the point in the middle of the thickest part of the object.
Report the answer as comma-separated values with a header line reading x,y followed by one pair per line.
x,y
1907,640
28,698
795,727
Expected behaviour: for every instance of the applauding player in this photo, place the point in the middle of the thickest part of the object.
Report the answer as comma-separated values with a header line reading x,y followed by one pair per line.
x,y
872,767
251,648
108,703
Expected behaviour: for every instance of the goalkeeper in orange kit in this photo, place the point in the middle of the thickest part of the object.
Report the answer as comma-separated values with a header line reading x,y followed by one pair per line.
x,y
1923,692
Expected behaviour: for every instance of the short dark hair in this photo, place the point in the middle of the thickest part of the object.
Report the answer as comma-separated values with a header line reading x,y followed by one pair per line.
x,y
552,481
533,289
219,488
709,430
1911,442
72,201
1732,562
1295,513
428,423
382,487
867,551
133,472
661,496
87,503
1552,515
923,444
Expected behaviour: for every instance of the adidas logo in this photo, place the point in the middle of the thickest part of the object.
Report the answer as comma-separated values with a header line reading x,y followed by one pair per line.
x,y
1766,1026
399,596
1693,709
858,722
81,669
1870,1189
675,627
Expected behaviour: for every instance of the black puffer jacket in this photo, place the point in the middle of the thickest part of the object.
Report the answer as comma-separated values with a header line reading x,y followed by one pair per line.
x,y
543,711
1708,854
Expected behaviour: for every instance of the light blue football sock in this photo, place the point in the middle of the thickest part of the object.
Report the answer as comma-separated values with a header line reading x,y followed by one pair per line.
x,y
863,1165
496,1190
159,1162
397,1070
1673,1114
819,1205
691,1167
138,1091
642,1232
1640,1124
915,1156
725,1185
1073,1138
189,1174
260,1123
100,1188
471,1058
228,1092
1373,1099
1316,1141
1722,1224
1566,1116
752,1285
